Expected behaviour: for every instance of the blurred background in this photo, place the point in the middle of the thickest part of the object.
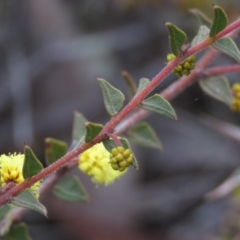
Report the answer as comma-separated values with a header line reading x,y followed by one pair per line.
x,y
51,54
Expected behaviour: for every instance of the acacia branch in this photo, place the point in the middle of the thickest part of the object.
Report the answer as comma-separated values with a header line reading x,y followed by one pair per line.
x,y
132,105
170,92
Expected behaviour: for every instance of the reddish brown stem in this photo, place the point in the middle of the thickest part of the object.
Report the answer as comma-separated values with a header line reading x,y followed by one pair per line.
x,y
115,139
114,121
221,70
169,93
231,27
7,187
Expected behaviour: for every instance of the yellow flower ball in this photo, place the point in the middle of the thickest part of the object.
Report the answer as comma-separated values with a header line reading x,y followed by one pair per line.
x,y
236,87
95,162
11,170
236,97
236,105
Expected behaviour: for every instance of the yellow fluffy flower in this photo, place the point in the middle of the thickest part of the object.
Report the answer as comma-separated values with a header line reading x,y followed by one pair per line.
x,y
236,97
11,170
95,162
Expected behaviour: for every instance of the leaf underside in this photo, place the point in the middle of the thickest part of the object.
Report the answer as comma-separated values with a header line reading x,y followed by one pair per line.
x,y
144,135
218,88
228,47
159,105
70,189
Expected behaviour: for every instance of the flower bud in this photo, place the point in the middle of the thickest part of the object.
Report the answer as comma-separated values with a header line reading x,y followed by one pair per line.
x,y
183,68
121,158
170,57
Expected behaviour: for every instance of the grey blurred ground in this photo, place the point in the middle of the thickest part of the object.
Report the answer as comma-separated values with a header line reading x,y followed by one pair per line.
x,y
51,54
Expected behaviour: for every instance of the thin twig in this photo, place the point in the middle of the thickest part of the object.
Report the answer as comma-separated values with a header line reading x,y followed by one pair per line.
x,y
221,70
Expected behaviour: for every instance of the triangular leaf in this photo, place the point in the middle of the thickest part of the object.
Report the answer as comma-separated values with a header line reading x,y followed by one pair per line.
x,y
143,82
218,88
78,130
202,34
27,200
227,46
220,21
130,84
177,38
159,105
93,129
113,98
31,165
70,189
110,144
54,150
201,17
18,232
144,135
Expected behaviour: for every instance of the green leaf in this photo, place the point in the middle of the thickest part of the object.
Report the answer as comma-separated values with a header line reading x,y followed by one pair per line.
x,y
113,98
4,210
159,105
130,84
220,21
6,220
18,232
93,129
144,135
31,165
202,18
54,150
218,88
27,200
143,82
227,46
79,129
70,189
110,144
202,34
177,38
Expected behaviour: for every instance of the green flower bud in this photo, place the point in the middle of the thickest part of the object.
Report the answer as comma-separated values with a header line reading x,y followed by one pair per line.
x,y
179,68
192,66
127,153
114,166
178,74
123,164
118,158
170,57
114,151
186,72
121,158
187,65
191,59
